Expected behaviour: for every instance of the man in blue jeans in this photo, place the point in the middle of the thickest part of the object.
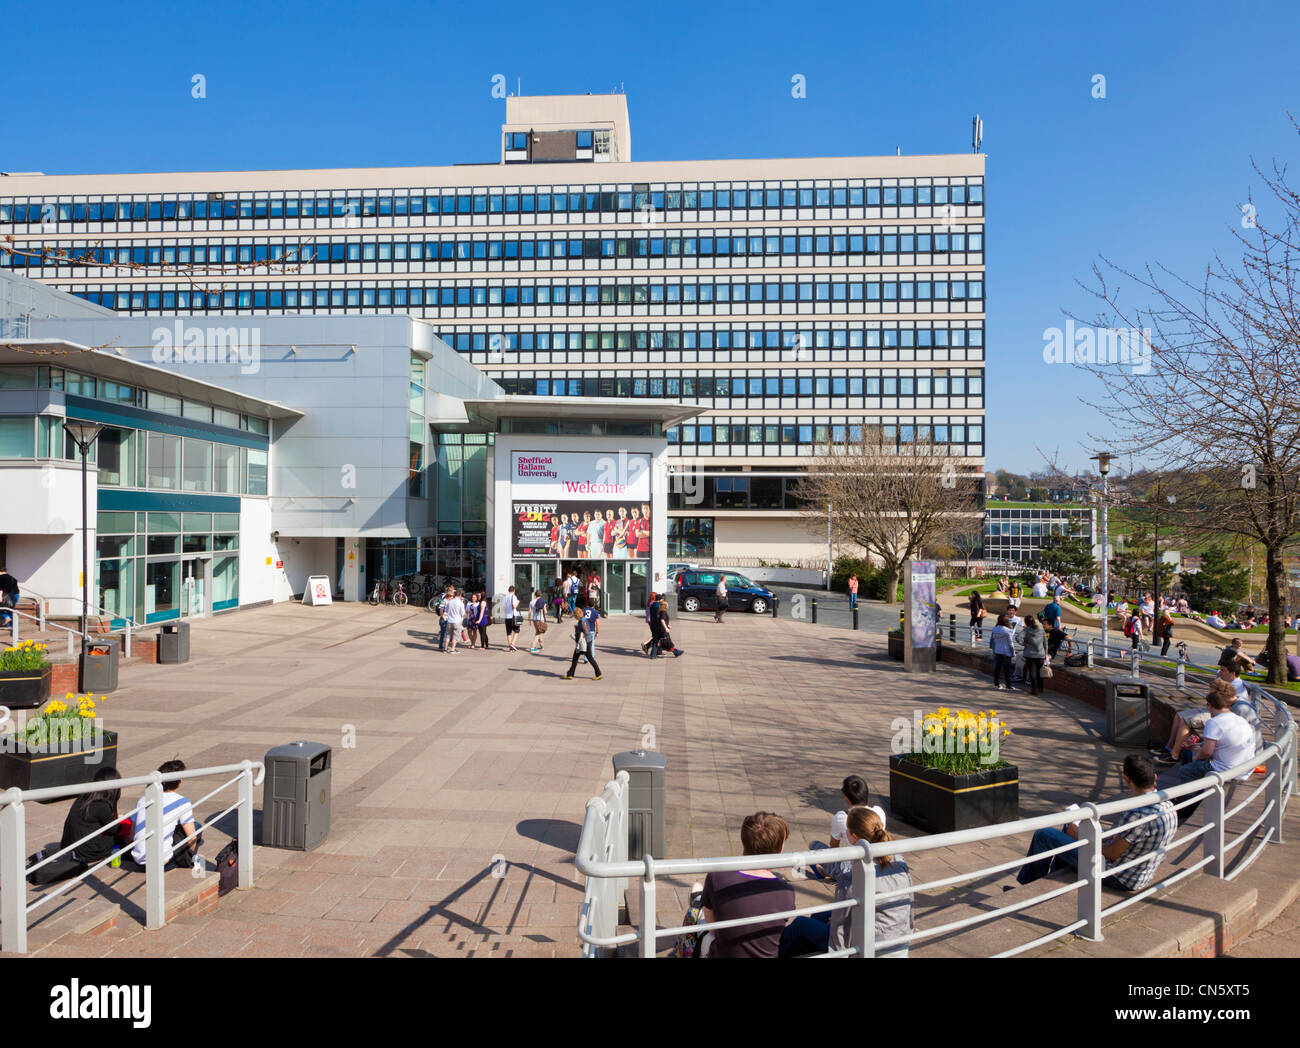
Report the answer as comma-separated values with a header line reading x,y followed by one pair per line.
x,y
573,586
442,619
1156,825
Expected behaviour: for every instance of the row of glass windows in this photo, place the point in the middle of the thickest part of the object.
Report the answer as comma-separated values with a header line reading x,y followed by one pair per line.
x,y
141,459
1040,513
690,537
804,342
460,484
995,530
902,383
822,431
542,294
22,376
149,564
789,249
590,200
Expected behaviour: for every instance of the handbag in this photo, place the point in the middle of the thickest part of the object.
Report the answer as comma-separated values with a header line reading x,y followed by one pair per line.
x,y
1047,670
540,624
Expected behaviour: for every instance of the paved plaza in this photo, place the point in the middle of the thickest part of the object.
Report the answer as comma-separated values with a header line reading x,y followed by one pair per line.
x,y
457,809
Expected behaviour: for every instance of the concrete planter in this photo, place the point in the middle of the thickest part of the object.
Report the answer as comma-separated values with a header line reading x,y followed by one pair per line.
x,y
937,802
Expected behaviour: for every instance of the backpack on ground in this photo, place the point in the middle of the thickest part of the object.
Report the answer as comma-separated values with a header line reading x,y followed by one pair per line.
x,y
228,868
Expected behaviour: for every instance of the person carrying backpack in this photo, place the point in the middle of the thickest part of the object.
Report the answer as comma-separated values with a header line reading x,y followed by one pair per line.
x,y
1133,628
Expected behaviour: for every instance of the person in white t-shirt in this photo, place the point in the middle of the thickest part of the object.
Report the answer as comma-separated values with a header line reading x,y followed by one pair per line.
x,y
855,792
177,822
454,609
1228,740
1040,588
510,613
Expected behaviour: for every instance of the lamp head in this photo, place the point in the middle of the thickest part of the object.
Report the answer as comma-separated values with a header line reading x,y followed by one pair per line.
x,y
82,433
1103,461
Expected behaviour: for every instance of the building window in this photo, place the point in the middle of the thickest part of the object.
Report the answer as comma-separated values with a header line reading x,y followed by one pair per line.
x,y
690,538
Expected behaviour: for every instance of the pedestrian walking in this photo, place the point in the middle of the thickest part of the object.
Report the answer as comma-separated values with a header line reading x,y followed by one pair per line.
x,y
977,615
720,598
593,590
1165,630
510,613
537,611
584,645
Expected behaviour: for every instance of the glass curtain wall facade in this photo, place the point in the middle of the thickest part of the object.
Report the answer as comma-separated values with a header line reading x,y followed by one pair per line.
x,y
846,292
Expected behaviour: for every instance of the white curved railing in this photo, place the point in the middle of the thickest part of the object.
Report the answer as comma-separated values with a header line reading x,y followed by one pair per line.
x,y
14,907
604,832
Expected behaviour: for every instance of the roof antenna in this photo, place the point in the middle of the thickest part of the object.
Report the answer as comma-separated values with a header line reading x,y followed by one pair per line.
x,y
976,133
518,87
898,150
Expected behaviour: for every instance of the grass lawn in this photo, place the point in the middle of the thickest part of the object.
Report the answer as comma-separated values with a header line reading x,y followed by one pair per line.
x,y
1258,678
983,588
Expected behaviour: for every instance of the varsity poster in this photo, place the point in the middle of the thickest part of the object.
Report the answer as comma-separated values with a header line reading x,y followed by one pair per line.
x,y
581,506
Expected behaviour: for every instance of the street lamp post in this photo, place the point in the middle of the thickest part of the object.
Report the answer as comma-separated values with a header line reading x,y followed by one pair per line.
x,y
84,435
830,562
1103,467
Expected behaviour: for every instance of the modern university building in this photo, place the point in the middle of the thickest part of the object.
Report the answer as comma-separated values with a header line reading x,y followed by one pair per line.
x,y
240,458
785,301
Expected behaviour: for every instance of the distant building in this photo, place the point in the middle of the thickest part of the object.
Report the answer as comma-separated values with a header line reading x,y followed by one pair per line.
x,y
1017,534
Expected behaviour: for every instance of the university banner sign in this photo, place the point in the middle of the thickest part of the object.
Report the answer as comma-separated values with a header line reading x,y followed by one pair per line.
x,y
580,505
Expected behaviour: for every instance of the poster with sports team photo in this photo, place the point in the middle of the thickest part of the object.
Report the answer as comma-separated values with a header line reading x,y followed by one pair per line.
x,y
581,506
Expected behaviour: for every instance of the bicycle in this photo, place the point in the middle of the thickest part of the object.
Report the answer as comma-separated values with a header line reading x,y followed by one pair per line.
x,y
378,595
397,595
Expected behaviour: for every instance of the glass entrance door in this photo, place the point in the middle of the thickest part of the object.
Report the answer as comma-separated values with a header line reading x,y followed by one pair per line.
x,y
637,594
616,586
196,585
525,581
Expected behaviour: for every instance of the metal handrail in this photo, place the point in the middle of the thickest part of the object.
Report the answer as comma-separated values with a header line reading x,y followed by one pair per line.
x,y
605,825
14,907
45,624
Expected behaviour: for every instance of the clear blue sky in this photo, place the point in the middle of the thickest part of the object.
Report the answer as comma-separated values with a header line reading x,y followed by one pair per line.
x,y
1155,171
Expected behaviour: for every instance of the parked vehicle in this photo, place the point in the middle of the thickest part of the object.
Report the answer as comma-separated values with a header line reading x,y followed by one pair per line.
x,y
698,591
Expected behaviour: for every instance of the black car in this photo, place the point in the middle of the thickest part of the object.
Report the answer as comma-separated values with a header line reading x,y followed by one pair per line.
x,y
698,590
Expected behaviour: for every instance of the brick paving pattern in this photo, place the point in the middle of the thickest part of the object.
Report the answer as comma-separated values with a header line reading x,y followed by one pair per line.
x,y
456,814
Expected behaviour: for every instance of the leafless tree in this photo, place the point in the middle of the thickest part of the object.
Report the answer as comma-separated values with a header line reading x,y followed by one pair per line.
x,y
895,502
1218,410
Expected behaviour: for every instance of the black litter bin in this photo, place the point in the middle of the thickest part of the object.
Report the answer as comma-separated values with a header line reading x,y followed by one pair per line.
x,y
98,670
174,642
296,795
1128,711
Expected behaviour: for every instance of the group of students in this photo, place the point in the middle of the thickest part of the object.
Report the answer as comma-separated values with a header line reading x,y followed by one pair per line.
x,y
468,622
733,895
97,814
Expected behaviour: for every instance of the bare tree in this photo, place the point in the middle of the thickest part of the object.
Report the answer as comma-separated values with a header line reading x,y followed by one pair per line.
x,y
1217,410
894,501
